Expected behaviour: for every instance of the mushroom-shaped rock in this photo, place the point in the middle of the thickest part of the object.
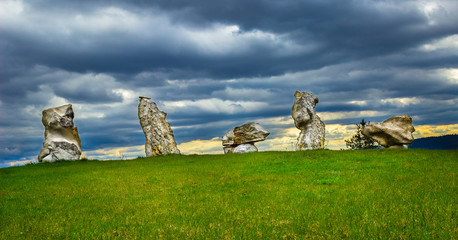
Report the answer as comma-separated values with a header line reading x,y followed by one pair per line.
x,y
395,132
305,118
158,133
246,135
61,136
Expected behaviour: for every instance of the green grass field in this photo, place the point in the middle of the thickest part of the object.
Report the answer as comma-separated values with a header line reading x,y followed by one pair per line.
x,y
320,194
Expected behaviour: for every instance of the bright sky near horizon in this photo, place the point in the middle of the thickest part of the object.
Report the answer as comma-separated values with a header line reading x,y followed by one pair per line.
x,y
214,65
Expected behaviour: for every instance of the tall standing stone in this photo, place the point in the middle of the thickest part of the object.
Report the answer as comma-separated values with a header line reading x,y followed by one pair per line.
x,y
305,118
158,133
395,132
61,136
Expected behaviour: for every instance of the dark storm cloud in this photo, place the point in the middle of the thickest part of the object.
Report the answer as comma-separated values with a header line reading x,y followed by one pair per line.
x,y
74,44
334,32
351,27
28,82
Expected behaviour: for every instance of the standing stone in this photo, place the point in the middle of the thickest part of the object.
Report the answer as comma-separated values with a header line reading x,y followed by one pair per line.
x,y
158,133
395,132
305,118
241,139
61,136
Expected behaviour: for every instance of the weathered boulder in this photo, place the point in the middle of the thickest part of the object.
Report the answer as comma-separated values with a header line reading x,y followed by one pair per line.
x,y
250,133
305,118
158,133
395,132
245,148
61,136
242,138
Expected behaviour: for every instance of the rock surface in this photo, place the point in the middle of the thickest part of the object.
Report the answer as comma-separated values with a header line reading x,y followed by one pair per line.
x,y
250,133
61,136
305,118
241,139
228,149
245,148
158,133
395,132
229,138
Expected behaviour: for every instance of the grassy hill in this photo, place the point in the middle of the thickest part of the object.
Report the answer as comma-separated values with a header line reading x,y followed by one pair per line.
x,y
318,194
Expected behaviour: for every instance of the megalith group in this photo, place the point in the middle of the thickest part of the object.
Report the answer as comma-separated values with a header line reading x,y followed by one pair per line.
x,y
62,140
395,132
158,133
241,139
305,118
61,136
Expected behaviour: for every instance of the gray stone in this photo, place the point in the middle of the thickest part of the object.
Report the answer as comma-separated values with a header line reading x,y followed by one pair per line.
x,y
313,132
395,132
229,138
245,148
158,133
62,141
250,133
228,149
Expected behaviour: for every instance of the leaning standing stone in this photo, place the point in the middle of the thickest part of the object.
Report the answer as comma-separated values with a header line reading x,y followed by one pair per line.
x,y
158,133
61,136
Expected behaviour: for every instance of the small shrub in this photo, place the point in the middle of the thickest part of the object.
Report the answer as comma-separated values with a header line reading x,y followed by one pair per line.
x,y
359,140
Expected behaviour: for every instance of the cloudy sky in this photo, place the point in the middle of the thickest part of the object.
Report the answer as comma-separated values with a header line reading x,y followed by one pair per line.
x,y
213,65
